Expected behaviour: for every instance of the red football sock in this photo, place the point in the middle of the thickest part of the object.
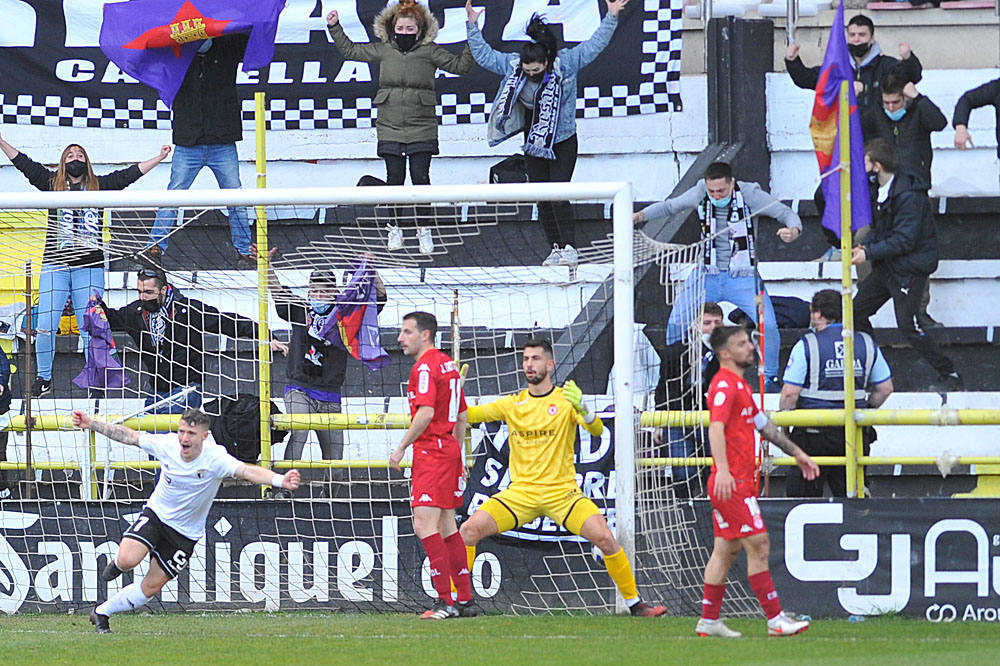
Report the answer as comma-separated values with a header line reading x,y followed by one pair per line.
x,y
711,603
763,587
459,566
437,552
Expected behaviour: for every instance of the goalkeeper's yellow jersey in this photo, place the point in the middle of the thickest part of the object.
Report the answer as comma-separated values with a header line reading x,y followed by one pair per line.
x,y
542,432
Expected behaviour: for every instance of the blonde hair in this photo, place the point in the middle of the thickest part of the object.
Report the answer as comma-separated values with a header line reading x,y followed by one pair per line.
x,y
60,181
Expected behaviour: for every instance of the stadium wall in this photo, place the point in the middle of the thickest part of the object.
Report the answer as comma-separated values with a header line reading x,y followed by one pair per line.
x,y
932,559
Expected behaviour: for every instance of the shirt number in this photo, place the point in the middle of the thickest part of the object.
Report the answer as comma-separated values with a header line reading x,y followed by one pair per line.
x,y
455,385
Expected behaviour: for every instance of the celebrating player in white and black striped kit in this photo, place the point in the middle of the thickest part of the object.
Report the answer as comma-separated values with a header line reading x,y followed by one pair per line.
x,y
174,517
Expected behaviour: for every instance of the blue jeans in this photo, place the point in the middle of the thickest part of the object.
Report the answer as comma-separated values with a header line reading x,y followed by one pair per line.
x,y
192,399
55,284
741,292
188,161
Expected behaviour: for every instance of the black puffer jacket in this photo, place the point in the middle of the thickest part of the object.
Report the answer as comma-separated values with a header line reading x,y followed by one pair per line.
x,y
902,234
180,358
875,66
910,135
207,109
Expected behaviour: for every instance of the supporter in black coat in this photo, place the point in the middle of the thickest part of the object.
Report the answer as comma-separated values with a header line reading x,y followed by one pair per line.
x,y
902,248
869,63
315,369
985,95
169,329
905,119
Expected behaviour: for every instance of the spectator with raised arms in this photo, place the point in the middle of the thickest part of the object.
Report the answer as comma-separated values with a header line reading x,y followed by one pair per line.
x,y
407,123
73,259
537,98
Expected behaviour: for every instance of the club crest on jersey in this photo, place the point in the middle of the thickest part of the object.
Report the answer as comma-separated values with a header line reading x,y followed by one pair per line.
x,y
553,410
202,473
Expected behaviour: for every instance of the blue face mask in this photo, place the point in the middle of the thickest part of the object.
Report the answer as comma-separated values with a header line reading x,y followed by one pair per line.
x,y
320,307
722,203
897,115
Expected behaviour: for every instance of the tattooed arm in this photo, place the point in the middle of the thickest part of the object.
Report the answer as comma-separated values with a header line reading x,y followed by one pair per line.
x,y
773,434
119,433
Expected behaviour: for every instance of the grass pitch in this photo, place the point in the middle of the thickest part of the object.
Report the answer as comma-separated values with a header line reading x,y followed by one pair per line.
x,y
401,640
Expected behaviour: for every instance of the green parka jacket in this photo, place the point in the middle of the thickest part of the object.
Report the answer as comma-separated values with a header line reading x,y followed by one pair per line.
x,y
406,97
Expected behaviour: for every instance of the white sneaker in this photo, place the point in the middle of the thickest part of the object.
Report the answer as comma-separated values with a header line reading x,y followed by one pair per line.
x,y
570,257
554,258
395,237
425,239
782,625
715,628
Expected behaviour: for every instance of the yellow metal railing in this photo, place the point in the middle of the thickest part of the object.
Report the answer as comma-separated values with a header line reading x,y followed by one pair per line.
x,y
649,419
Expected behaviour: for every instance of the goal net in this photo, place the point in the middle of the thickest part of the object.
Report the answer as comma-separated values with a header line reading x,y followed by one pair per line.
x,y
470,255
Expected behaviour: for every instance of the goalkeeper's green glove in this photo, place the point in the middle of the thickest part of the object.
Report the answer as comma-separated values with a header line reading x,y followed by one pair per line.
x,y
574,394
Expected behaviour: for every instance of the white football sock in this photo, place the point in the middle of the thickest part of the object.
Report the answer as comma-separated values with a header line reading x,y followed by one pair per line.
x,y
129,597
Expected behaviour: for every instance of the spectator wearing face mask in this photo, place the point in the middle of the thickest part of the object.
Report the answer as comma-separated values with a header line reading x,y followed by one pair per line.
x,y
316,368
537,99
906,120
73,259
407,124
169,330
868,61
727,211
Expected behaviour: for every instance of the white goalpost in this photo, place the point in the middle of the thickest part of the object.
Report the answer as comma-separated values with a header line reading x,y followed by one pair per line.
x,y
346,542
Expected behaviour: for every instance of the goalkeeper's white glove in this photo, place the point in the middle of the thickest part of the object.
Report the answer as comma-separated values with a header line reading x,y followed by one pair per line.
x,y
574,394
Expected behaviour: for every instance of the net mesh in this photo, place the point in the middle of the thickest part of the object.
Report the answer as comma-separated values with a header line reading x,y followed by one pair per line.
x,y
345,539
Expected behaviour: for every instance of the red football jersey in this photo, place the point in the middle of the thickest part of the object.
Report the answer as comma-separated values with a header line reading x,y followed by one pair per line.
x,y
435,382
730,402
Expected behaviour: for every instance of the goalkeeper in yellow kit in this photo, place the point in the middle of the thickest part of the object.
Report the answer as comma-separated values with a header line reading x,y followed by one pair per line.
x,y
543,421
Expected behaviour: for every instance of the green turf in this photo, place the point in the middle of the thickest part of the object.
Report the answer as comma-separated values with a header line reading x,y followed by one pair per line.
x,y
324,638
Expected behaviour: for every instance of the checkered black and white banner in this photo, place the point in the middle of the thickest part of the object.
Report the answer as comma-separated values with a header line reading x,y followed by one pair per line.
x,y
55,74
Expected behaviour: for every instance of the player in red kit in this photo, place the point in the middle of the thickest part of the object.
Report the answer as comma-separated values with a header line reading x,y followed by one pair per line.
x,y
738,524
438,421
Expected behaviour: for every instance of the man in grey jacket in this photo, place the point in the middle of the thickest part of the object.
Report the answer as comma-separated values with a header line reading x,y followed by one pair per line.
x,y
726,210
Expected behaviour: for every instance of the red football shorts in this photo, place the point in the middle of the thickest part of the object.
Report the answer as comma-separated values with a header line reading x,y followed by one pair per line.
x,y
739,516
437,476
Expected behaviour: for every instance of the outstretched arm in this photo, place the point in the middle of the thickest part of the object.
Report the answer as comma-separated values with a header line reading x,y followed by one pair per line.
x,y
485,55
265,477
119,433
8,150
586,52
349,49
145,166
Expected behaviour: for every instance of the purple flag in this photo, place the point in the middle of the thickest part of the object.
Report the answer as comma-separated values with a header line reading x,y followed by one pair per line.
x,y
825,131
155,40
103,369
353,324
